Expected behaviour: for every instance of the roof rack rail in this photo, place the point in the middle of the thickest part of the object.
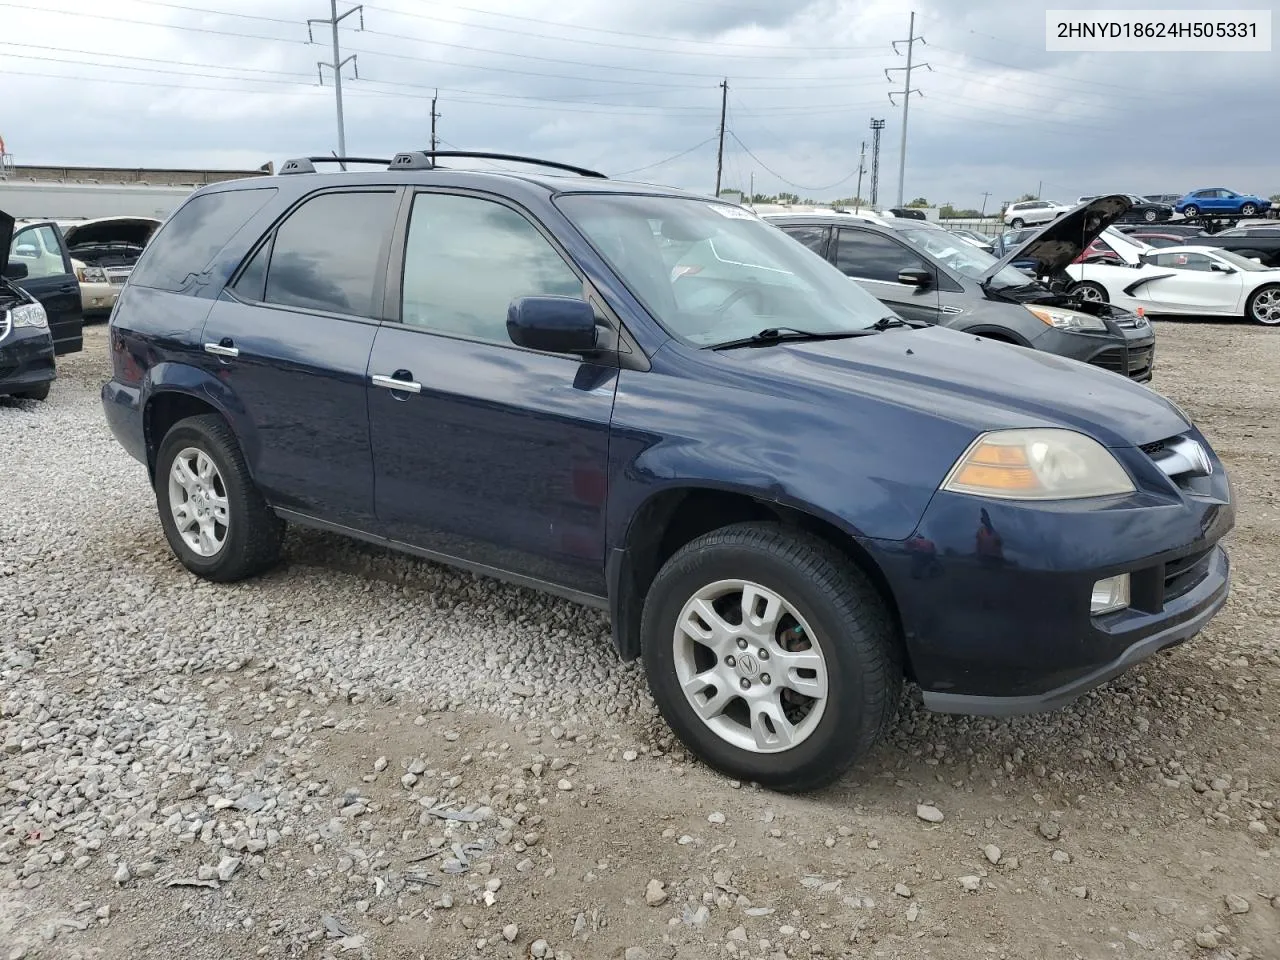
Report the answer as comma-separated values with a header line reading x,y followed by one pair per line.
x,y
426,160
308,164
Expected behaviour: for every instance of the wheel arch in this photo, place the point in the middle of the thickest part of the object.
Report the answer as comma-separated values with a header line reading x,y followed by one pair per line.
x,y
174,392
672,517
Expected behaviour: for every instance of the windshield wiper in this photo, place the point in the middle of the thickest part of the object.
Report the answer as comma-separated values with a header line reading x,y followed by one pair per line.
x,y
884,323
770,335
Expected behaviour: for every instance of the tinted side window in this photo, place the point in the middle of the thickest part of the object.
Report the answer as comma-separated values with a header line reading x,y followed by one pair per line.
x,y
39,249
1183,261
466,259
188,242
327,254
815,238
869,256
252,284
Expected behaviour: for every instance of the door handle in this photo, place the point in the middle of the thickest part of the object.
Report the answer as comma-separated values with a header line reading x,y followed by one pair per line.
x,y
223,349
395,383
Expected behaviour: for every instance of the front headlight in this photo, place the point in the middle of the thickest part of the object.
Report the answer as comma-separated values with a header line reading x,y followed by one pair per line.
x,y
91,275
1066,319
1037,464
29,315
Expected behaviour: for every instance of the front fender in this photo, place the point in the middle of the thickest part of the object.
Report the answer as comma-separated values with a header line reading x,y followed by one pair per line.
x,y
172,379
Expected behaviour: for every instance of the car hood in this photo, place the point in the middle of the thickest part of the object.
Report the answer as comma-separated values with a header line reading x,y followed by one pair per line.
x,y
976,383
1065,238
136,230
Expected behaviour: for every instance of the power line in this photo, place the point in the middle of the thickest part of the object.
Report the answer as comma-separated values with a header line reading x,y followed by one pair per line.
x,y
660,163
798,186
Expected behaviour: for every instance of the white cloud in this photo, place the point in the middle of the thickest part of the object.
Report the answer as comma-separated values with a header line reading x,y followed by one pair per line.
x,y
596,83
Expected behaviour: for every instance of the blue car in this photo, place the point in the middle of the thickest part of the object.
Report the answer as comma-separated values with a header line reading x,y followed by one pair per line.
x,y
1220,201
789,499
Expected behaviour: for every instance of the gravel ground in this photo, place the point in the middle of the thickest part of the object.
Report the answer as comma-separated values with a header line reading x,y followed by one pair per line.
x,y
364,755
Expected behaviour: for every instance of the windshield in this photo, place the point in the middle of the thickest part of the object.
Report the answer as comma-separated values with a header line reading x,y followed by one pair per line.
x,y
711,273
1244,263
964,258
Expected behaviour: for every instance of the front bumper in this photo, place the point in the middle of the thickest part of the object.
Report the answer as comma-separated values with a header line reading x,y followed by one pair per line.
x,y
1130,352
994,595
26,360
97,299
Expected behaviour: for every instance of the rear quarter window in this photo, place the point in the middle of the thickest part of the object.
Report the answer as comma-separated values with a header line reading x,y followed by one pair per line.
x,y
192,237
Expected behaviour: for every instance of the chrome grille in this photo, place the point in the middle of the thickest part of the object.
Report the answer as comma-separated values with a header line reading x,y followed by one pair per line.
x,y
118,275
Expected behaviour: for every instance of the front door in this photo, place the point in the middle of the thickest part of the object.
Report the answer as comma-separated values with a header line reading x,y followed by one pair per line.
x,y
51,280
291,339
491,454
874,261
1192,285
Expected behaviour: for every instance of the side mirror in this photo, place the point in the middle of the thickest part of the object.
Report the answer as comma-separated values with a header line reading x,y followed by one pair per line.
x,y
15,271
552,324
1217,267
915,278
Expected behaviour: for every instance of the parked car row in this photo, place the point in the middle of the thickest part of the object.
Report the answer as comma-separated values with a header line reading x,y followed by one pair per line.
x,y
27,366
788,495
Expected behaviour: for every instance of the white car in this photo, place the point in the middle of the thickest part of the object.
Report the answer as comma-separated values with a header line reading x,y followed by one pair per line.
x,y
1183,280
1028,212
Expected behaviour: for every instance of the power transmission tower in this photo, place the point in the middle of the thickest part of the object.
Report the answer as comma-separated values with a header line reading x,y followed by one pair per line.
x,y
724,106
985,195
905,93
434,117
337,64
876,127
857,197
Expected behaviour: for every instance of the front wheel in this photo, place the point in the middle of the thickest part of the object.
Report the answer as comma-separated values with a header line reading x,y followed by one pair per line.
x,y
1149,216
1264,305
1248,210
1191,210
1090,292
213,516
771,655
1017,223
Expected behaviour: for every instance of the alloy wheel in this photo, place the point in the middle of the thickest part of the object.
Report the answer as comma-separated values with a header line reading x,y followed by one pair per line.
x,y
1248,210
1150,216
198,502
1266,306
750,667
1089,293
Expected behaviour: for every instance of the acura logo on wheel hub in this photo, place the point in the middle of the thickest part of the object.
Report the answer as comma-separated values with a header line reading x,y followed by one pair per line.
x,y
747,665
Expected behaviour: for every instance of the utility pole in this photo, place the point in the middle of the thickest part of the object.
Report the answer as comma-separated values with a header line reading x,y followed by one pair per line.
x,y
724,106
1039,185
877,126
905,93
751,196
337,64
985,195
857,197
434,117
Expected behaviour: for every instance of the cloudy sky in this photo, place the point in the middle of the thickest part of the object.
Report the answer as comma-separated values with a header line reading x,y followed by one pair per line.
x,y
633,85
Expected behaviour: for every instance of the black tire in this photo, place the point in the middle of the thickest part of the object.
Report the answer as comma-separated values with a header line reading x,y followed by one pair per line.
x,y
1017,223
1190,210
1149,216
848,623
253,531
1248,210
1097,288
37,393
1273,290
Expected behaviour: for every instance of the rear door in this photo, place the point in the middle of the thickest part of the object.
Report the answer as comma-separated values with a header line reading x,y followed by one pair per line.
x,y
874,261
492,454
51,280
291,338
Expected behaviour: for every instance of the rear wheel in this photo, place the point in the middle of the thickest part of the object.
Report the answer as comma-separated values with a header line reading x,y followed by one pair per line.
x,y
771,655
1017,223
38,393
1264,305
213,516
1090,292
1149,216
1190,210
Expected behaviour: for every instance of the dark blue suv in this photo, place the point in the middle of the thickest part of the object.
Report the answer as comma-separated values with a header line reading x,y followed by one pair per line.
x,y
788,498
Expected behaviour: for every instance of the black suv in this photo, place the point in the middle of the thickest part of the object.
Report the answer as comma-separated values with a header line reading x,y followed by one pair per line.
x,y
788,498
